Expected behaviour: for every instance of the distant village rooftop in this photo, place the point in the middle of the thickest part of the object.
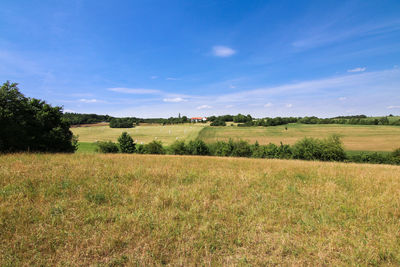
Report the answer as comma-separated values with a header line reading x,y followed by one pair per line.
x,y
197,119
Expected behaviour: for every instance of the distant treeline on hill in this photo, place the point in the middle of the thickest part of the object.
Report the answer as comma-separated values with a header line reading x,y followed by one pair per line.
x,y
246,121
127,122
242,120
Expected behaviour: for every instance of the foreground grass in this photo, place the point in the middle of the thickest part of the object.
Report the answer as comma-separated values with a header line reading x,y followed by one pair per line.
x,y
354,137
94,209
142,134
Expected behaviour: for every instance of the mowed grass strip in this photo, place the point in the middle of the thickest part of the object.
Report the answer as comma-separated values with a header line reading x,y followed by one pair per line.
x,y
354,137
141,134
95,209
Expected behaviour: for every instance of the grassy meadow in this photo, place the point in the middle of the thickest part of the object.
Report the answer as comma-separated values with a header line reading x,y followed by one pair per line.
x,y
354,137
113,210
141,134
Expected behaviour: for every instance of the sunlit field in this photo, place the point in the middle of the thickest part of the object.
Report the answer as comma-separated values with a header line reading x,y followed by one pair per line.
x,y
354,137
112,210
141,134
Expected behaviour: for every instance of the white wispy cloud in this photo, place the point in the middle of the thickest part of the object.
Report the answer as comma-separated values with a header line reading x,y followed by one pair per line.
x,y
393,107
327,33
342,98
345,82
172,79
359,69
268,105
223,51
93,100
153,77
135,91
174,100
69,110
204,107
289,105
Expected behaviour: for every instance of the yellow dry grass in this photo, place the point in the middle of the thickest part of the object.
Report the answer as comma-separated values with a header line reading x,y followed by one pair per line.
x,y
141,134
354,137
63,210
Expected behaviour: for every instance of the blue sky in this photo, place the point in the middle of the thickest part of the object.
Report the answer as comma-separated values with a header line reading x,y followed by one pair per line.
x,y
200,58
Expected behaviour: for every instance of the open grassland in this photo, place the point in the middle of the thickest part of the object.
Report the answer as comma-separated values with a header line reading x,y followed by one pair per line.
x,y
145,210
142,134
354,137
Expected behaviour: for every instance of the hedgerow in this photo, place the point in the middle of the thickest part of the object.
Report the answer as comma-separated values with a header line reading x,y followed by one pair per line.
x,y
328,149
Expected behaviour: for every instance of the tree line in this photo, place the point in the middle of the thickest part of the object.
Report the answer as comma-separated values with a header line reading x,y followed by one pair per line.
x,y
328,149
242,120
248,120
126,122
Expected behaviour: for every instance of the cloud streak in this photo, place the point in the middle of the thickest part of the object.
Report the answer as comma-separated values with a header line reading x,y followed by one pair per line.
x,y
223,51
394,107
134,91
357,69
174,100
88,101
204,107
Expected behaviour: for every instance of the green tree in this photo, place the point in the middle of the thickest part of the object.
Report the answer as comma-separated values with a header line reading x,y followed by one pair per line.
x,y
126,144
29,124
178,148
154,147
198,147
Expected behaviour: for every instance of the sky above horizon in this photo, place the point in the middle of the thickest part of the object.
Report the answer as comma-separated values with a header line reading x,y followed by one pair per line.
x,y
202,58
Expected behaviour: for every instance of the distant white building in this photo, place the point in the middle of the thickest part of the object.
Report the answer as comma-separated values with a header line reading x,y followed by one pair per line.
x,y
198,119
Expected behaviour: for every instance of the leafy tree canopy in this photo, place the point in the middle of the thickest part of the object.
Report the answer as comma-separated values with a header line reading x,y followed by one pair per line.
x,y
29,124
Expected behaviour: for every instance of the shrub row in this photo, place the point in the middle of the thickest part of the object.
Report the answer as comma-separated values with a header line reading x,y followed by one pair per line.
x,y
329,149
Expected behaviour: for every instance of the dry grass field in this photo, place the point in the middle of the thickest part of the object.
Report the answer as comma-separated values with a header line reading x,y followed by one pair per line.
x,y
114,210
143,134
354,137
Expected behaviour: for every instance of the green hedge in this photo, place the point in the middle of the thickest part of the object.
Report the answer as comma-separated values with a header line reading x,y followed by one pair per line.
x,y
328,149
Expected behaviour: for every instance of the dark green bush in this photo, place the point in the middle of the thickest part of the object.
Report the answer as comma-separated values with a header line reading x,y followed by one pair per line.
x,y
329,149
178,148
221,148
197,147
126,144
154,147
241,149
374,157
107,147
140,149
218,122
332,149
396,153
122,123
308,149
269,151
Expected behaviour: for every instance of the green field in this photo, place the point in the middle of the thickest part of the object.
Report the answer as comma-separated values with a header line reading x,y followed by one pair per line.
x,y
146,210
141,134
354,137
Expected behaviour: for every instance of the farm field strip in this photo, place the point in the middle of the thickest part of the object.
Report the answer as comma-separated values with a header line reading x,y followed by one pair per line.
x,y
82,209
354,137
141,134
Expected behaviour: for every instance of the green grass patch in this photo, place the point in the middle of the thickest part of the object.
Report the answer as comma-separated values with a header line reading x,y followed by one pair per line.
x,y
86,147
